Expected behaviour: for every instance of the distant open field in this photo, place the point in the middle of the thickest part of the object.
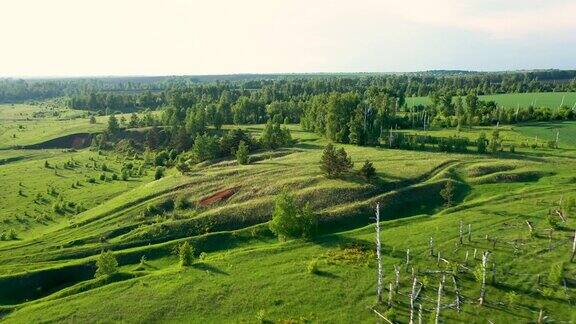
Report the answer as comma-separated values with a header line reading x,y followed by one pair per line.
x,y
25,124
513,100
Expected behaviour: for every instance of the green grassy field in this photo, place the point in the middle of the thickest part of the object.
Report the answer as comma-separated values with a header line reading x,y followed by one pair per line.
x,y
25,124
244,274
514,100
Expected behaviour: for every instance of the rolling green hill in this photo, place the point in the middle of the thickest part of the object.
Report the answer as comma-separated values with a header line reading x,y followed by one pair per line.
x,y
242,273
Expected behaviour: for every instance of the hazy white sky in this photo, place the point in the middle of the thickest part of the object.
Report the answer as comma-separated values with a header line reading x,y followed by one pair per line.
x,y
167,37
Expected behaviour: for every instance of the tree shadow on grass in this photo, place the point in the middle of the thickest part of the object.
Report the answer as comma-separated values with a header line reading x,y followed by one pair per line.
x,y
343,242
326,274
207,267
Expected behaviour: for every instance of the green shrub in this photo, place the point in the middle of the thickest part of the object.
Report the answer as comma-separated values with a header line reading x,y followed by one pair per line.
x,y
181,202
242,153
554,222
368,171
159,173
186,254
261,316
512,298
106,264
481,143
390,314
556,274
114,176
447,193
288,221
102,177
312,267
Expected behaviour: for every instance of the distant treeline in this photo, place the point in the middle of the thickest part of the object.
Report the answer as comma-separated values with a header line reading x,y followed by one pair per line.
x,y
348,108
290,85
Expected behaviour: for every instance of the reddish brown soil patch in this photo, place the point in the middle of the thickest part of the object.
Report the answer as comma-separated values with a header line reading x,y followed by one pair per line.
x,y
219,196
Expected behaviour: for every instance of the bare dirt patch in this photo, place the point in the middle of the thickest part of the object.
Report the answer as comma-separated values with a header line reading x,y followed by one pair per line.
x,y
218,196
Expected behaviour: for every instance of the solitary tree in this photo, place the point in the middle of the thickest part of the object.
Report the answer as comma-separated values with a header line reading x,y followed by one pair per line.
x,y
159,173
113,126
447,193
186,254
289,221
92,120
106,264
368,171
335,163
481,143
495,141
242,153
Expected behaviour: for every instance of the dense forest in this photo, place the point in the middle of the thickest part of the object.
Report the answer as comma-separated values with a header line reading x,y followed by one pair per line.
x,y
410,84
361,109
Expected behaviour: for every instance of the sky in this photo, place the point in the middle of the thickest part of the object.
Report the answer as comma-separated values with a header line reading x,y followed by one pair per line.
x,y
185,37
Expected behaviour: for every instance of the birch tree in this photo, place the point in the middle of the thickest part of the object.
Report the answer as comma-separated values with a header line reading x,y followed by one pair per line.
x,y
439,301
378,254
483,287
412,299
573,248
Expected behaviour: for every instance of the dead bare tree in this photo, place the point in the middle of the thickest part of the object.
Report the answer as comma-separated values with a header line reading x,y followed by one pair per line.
x,y
573,248
530,227
457,291
419,313
469,232
439,301
378,254
541,317
407,258
461,232
483,287
390,293
412,299
431,246
493,273
397,282
382,316
560,213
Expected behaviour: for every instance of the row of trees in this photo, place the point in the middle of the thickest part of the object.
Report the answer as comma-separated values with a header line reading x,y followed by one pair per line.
x,y
269,88
191,143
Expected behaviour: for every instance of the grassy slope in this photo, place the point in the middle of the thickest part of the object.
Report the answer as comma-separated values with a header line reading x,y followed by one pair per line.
x,y
24,124
513,100
247,272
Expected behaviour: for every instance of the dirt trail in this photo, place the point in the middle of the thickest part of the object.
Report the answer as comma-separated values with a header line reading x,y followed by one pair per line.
x,y
218,196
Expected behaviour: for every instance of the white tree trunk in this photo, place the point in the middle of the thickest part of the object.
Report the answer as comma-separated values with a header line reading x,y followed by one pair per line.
x,y
457,291
407,258
483,287
439,301
461,232
573,248
390,292
431,246
378,254
397,283
412,299
419,313
530,227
